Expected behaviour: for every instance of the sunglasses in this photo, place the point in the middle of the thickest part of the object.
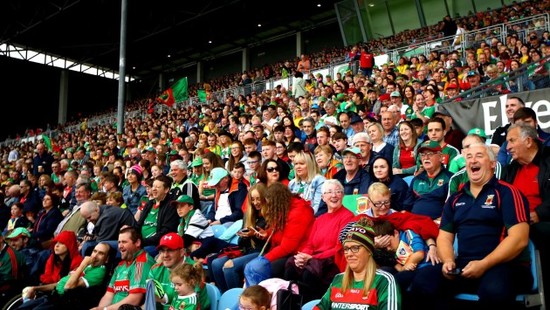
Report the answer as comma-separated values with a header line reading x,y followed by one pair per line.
x,y
271,169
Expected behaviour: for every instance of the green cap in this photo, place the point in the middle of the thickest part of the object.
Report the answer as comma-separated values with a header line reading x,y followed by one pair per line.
x,y
185,199
478,131
196,162
216,175
19,231
429,146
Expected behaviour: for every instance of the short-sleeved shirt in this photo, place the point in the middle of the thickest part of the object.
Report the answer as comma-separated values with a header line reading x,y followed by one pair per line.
x,y
130,278
482,222
91,276
383,294
162,274
185,303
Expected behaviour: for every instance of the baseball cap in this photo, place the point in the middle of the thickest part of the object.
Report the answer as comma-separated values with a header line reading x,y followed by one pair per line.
x,y
18,232
477,131
216,175
172,240
452,86
355,119
354,150
473,73
361,137
184,199
197,162
385,96
395,94
429,146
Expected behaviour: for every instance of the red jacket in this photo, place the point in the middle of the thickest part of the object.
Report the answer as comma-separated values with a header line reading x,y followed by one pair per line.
x,y
295,231
52,272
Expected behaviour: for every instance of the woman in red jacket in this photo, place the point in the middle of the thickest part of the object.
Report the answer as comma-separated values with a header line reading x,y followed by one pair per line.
x,y
289,219
64,258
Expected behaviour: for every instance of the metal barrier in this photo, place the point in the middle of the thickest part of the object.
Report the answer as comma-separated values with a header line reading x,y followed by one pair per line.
x,y
522,79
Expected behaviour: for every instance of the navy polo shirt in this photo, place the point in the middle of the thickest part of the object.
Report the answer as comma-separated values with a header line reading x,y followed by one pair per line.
x,y
481,223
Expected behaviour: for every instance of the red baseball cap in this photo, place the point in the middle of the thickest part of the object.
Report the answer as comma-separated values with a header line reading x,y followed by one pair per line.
x,y
172,240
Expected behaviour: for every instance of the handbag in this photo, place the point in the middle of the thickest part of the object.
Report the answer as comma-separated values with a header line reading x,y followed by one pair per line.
x,y
231,252
288,298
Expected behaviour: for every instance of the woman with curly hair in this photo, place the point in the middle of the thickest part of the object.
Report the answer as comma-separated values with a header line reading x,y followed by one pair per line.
x,y
289,219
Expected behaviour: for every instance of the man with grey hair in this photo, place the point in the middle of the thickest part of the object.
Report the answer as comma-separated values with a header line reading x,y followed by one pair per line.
x,y
107,221
181,184
363,141
529,171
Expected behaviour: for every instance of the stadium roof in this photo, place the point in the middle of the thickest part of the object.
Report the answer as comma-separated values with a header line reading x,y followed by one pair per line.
x,y
161,35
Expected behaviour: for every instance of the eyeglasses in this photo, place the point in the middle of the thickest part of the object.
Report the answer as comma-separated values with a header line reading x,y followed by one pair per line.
x,y
353,248
337,192
271,169
427,154
380,204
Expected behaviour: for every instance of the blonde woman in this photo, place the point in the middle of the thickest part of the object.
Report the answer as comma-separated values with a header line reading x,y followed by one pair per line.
x,y
307,181
361,284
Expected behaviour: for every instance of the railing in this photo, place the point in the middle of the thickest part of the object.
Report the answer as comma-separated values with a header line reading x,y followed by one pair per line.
x,y
522,27
521,79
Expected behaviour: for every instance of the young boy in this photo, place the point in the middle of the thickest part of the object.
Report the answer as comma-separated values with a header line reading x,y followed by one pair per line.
x,y
408,248
238,173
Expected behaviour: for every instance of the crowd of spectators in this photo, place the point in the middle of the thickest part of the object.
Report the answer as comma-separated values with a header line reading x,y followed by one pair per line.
x,y
283,163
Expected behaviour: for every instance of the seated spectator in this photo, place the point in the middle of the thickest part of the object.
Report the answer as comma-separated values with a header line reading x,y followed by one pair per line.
x,y
64,258
324,157
407,247
127,284
107,221
157,218
313,267
17,218
89,274
172,253
19,239
429,188
227,272
381,172
492,259
379,146
289,219
404,154
134,190
186,278
195,229
361,284
10,274
270,172
47,220
355,180
307,181
229,198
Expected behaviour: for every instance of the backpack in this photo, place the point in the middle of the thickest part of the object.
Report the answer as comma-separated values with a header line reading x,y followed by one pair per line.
x,y
277,288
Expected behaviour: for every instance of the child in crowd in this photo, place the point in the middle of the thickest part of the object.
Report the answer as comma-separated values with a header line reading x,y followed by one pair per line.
x,y
409,250
255,297
186,279
238,173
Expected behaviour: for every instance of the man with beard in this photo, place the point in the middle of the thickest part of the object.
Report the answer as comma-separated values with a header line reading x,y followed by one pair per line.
x,y
128,283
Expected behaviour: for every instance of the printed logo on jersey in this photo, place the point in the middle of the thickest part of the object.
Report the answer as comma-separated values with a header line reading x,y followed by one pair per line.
x,y
121,286
489,202
352,298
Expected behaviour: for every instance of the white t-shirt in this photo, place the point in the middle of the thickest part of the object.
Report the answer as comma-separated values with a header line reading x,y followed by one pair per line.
x,y
224,209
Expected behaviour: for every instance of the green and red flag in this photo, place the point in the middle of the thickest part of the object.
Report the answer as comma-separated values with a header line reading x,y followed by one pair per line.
x,y
176,93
